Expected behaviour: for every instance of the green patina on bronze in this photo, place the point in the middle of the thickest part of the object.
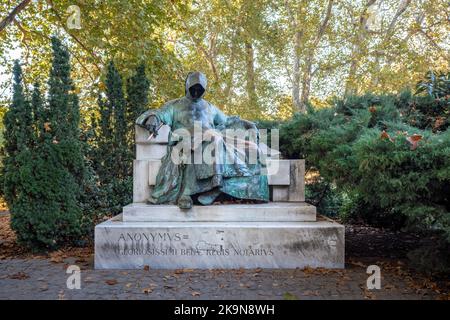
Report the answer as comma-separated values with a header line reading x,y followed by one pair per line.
x,y
179,183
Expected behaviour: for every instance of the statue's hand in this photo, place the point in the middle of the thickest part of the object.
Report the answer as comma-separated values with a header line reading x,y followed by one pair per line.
x,y
152,124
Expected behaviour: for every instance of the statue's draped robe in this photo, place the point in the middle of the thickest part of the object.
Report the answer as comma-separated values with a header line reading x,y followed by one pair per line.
x,y
239,179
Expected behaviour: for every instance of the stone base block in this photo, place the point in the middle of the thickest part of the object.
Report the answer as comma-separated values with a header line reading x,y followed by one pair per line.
x,y
272,211
210,245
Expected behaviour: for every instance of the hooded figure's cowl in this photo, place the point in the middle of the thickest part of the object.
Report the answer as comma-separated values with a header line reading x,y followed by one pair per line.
x,y
195,85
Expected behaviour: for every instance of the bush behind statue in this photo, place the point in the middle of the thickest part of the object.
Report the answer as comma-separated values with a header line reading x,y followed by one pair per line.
x,y
386,155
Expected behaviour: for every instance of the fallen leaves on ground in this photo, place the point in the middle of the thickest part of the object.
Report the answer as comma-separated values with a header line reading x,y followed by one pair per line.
x,y
43,287
356,263
10,249
149,289
311,293
318,271
19,276
385,135
88,280
185,270
195,293
57,256
368,294
3,204
169,286
111,282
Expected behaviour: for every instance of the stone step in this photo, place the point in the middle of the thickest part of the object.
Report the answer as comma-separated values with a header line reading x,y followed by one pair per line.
x,y
211,245
272,211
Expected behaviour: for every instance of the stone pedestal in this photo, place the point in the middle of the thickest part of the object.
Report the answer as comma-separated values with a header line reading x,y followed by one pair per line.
x,y
210,245
284,233
274,235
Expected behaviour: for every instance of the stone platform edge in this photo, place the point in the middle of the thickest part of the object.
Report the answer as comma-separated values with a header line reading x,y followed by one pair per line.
x,y
272,211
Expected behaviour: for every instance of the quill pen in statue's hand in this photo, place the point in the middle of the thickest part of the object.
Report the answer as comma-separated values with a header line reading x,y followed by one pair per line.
x,y
155,132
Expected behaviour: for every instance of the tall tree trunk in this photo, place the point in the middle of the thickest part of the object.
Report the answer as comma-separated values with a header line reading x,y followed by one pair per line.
x,y
230,75
300,101
309,60
306,83
251,87
229,79
296,72
357,48
379,54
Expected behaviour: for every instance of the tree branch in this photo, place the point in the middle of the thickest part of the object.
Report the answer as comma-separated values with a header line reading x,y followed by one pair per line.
x,y
10,17
362,29
403,6
24,31
324,23
81,44
198,43
440,50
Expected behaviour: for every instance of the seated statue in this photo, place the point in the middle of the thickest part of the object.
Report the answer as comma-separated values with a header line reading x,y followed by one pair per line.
x,y
225,172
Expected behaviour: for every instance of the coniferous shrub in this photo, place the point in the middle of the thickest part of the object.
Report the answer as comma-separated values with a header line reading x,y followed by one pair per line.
x,y
114,134
18,139
137,89
45,171
385,156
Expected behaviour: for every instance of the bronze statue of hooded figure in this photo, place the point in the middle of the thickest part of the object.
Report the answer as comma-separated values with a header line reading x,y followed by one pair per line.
x,y
190,180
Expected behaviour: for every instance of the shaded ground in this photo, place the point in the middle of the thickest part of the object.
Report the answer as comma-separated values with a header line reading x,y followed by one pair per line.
x,y
24,275
363,241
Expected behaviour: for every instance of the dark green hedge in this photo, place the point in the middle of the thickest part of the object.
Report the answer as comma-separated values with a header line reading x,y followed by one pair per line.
x,y
381,158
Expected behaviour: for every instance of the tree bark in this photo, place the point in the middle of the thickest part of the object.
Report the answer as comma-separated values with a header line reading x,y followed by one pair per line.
x,y
296,71
229,78
251,87
388,35
357,48
306,83
307,70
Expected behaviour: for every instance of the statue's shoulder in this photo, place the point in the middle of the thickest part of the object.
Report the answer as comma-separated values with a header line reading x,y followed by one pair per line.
x,y
172,103
165,108
211,106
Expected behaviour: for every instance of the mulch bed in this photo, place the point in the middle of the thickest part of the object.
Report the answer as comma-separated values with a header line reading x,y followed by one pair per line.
x,y
388,249
9,249
366,241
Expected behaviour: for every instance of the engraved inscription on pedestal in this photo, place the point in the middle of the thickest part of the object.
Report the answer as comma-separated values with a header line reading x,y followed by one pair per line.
x,y
162,244
171,245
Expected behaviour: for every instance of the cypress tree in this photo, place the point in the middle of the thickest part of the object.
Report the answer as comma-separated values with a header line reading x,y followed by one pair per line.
x,y
48,205
103,141
17,138
116,102
64,114
114,157
137,99
114,133
39,115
